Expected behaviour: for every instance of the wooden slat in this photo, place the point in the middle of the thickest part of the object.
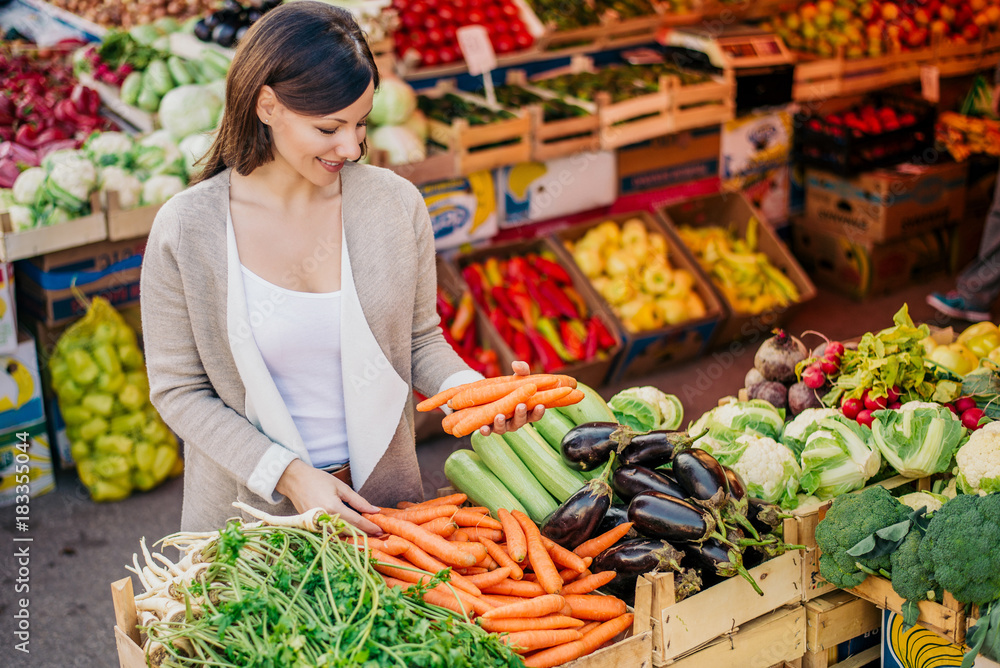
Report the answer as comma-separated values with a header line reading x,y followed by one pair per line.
x,y
126,616
130,655
775,637
634,651
838,617
947,618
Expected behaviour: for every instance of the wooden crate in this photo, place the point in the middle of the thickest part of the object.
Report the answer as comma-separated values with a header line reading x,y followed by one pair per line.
x,y
702,105
128,224
557,139
679,628
947,618
835,618
778,636
41,240
474,146
439,165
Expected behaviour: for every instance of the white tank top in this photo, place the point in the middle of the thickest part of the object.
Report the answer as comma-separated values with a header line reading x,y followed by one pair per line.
x,y
298,335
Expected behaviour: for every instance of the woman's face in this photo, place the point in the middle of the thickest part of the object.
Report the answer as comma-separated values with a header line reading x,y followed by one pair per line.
x,y
318,146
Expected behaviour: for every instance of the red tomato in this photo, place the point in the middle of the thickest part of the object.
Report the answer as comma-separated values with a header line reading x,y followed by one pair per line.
x,y
476,16
411,21
400,4
493,13
401,42
523,40
432,22
510,9
433,4
419,40
418,7
435,36
499,28
430,57
449,54
450,34
504,44
459,5
446,14
516,25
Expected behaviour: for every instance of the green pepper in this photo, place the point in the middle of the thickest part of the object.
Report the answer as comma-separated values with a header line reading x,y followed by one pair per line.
x,y
115,489
93,429
80,450
58,371
139,379
76,415
143,481
131,398
112,466
155,431
111,382
550,332
127,424
131,87
179,71
73,433
85,469
130,356
107,358
145,455
148,100
113,444
166,456
82,367
69,393
99,403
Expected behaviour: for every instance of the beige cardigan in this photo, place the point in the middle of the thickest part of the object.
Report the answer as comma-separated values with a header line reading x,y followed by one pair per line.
x,y
209,382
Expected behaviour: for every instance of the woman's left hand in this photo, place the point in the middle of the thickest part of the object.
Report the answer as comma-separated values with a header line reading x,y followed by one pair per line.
x,y
501,424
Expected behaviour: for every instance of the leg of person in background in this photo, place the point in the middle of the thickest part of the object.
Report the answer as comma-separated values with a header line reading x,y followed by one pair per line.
x,y
978,286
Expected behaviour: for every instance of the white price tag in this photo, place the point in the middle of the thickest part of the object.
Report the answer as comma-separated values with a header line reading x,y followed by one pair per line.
x,y
930,82
477,49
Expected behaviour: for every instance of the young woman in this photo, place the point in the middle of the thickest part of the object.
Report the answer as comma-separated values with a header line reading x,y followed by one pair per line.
x,y
288,298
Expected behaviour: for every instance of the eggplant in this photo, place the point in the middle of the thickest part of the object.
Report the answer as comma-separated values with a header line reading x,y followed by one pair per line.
x,y
587,446
657,515
241,33
224,34
254,15
202,31
722,560
765,517
629,481
233,6
654,448
737,488
617,514
702,476
576,520
631,558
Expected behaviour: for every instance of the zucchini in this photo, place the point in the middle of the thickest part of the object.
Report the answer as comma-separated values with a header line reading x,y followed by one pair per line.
x,y
514,475
552,427
179,71
547,467
467,472
592,408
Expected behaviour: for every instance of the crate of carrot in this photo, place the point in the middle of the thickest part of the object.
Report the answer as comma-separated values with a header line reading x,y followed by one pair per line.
x,y
477,404
505,576
544,311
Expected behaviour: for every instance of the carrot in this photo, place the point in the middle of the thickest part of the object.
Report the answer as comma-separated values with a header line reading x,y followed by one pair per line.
x,y
468,518
562,556
433,596
451,421
403,505
548,397
595,607
490,577
472,570
480,395
517,546
530,577
392,545
487,562
459,536
574,397
449,553
532,607
499,599
588,627
441,398
502,558
538,556
420,515
528,641
591,641
442,526
456,499
476,533
590,583
569,575
469,601
598,544
482,510
520,588
478,416
529,623
422,560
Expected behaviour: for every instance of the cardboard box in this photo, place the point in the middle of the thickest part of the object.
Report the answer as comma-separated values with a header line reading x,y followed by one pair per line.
x,y
533,191
90,257
25,465
8,311
645,351
861,268
20,388
769,191
900,649
668,161
755,143
887,204
732,209
462,210
48,296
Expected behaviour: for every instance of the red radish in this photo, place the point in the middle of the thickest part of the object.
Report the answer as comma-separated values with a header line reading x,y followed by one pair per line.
x,y
953,409
971,418
829,366
851,408
894,393
894,405
873,403
866,418
962,404
813,377
834,349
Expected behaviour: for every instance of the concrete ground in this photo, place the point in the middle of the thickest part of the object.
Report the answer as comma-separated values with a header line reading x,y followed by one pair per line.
x,y
80,547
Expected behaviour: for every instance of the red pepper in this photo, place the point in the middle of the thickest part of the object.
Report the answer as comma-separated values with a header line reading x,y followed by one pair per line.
x,y
558,298
468,342
553,270
522,347
492,272
473,275
604,338
545,305
518,270
445,308
527,309
593,338
27,135
501,324
464,315
571,340
547,355
574,296
50,135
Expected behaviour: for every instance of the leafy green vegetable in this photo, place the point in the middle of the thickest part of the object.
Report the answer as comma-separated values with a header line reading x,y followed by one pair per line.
x,y
647,408
918,439
837,459
960,546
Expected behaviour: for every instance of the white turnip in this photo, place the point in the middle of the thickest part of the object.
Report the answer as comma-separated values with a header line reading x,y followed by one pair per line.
x,y
753,377
770,391
801,397
776,358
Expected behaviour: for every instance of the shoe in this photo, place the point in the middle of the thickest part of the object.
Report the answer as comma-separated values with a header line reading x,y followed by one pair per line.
x,y
954,305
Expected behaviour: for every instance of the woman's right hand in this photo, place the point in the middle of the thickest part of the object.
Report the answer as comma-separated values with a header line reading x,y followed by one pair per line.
x,y
309,488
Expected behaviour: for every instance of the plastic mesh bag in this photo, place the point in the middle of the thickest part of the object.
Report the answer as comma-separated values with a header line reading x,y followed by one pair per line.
x,y
117,438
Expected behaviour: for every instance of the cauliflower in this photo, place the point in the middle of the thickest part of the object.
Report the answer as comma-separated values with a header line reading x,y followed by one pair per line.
x,y
769,469
193,148
28,185
929,500
158,189
797,431
163,140
109,148
914,405
978,470
70,182
21,217
128,186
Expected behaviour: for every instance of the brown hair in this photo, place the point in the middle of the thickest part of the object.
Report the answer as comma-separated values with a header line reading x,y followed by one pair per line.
x,y
316,59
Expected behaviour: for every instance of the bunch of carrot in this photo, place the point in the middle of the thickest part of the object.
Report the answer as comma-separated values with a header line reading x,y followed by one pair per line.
x,y
477,404
505,574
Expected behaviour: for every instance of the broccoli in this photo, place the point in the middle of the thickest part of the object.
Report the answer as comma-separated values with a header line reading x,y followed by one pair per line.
x,y
960,548
851,519
911,578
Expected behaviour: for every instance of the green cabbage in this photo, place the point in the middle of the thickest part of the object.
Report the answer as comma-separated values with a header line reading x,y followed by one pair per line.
x,y
837,459
28,185
755,415
647,408
918,439
805,423
394,102
400,144
186,110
